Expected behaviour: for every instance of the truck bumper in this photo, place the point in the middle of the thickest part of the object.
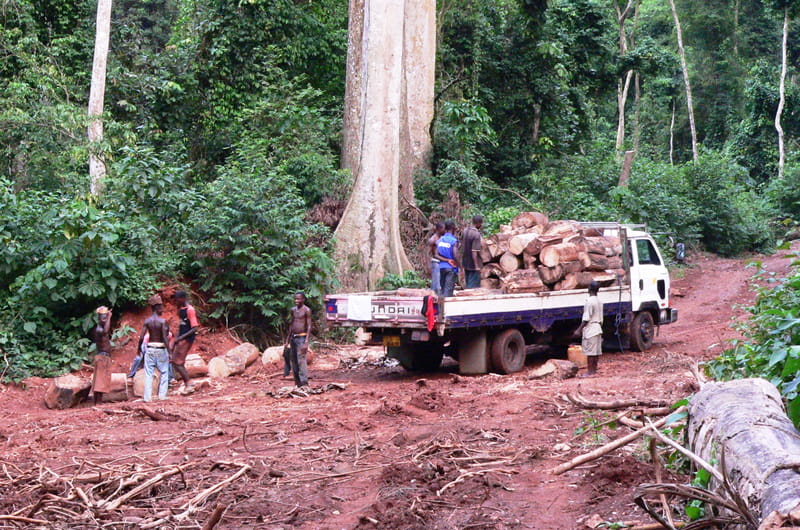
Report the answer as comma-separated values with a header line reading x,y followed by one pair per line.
x,y
667,316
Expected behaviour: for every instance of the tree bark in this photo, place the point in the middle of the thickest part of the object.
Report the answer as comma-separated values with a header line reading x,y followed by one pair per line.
x,y
97,168
687,83
624,83
782,93
388,108
743,427
672,136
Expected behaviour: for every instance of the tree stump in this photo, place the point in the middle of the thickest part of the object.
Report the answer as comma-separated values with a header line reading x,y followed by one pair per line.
x,y
743,424
67,391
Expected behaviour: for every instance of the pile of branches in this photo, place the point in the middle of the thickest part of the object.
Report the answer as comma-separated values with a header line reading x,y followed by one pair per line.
x,y
101,494
534,254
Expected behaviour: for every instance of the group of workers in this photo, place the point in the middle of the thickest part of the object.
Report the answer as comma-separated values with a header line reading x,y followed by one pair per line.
x,y
159,349
448,255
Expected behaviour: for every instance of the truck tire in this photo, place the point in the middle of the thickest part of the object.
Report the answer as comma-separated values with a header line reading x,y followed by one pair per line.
x,y
642,331
508,351
422,360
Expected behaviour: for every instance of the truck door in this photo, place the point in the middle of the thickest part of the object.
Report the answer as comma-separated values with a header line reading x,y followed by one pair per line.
x,y
649,276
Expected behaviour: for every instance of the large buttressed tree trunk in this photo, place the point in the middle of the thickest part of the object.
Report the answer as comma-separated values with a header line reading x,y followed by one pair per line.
x,y
97,168
388,111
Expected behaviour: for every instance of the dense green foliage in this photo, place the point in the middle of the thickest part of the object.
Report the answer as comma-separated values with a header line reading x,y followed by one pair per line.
x,y
222,134
771,345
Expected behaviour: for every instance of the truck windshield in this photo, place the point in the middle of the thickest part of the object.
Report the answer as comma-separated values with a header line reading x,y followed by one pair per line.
x,y
646,253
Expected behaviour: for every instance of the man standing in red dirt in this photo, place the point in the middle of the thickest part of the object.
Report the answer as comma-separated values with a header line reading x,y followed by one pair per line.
x,y
157,353
297,340
185,339
591,330
101,335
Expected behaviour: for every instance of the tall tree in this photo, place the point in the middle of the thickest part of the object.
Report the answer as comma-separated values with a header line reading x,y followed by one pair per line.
x,y
388,110
687,83
97,168
782,92
624,82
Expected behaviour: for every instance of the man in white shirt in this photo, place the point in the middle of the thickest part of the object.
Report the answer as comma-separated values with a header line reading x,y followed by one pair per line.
x,y
591,330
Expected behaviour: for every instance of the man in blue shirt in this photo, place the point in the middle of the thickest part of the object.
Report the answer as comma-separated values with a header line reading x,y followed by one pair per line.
x,y
447,252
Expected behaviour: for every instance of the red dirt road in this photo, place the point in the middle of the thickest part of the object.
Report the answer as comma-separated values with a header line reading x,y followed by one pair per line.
x,y
391,450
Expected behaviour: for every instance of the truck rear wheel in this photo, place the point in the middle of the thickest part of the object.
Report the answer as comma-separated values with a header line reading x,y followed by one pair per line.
x,y
422,359
642,331
508,351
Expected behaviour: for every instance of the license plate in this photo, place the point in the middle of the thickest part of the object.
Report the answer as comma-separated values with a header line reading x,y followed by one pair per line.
x,y
391,340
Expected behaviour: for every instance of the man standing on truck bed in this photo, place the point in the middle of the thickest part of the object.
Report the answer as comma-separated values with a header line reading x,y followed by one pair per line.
x,y
436,284
447,252
592,330
471,253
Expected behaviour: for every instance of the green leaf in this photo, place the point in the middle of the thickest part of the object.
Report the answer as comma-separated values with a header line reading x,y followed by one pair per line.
x,y
30,327
50,283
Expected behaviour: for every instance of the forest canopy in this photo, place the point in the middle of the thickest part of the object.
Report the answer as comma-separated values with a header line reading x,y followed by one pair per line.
x,y
223,136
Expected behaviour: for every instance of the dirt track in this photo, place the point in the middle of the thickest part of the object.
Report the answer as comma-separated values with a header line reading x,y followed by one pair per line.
x,y
392,450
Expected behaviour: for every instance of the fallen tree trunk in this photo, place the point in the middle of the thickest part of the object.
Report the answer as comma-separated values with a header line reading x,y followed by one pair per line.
x,y
743,426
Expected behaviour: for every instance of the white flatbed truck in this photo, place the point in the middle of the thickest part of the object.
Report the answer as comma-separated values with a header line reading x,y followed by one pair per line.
x,y
489,332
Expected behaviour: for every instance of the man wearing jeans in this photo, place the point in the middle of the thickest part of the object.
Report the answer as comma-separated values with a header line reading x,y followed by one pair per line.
x,y
436,284
157,352
297,341
447,252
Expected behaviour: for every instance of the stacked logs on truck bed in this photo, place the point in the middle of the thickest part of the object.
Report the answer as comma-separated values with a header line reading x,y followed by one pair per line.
x,y
534,254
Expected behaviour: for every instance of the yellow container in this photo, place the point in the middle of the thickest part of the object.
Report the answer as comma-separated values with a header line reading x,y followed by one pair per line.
x,y
575,354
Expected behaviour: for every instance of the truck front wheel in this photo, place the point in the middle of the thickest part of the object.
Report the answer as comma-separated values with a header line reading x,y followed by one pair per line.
x,y
642,331
508,351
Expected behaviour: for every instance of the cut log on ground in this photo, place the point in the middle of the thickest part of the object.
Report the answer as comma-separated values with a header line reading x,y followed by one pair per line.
x,y
743,426
67,391
138,383
196,366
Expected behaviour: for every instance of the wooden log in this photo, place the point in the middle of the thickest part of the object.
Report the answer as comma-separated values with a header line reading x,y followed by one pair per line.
x,y
119,388
523,281
218,368
584,260
491,283
138,382
534,246
742,426
591,232
518,243
498,244
597,245
491,270
486,253
547,240
602,263
196,366
571,266
552,255
402,291
529,220
272,355
509,262
528,261
67,391
551,275
569,282
562,228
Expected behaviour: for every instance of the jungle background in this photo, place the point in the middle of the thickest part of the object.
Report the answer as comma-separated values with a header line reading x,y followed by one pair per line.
x,y
223,131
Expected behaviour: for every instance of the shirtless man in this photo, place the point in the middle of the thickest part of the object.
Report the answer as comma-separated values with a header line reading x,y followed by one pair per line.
x,y
297,339
157,353
101,379
185,339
